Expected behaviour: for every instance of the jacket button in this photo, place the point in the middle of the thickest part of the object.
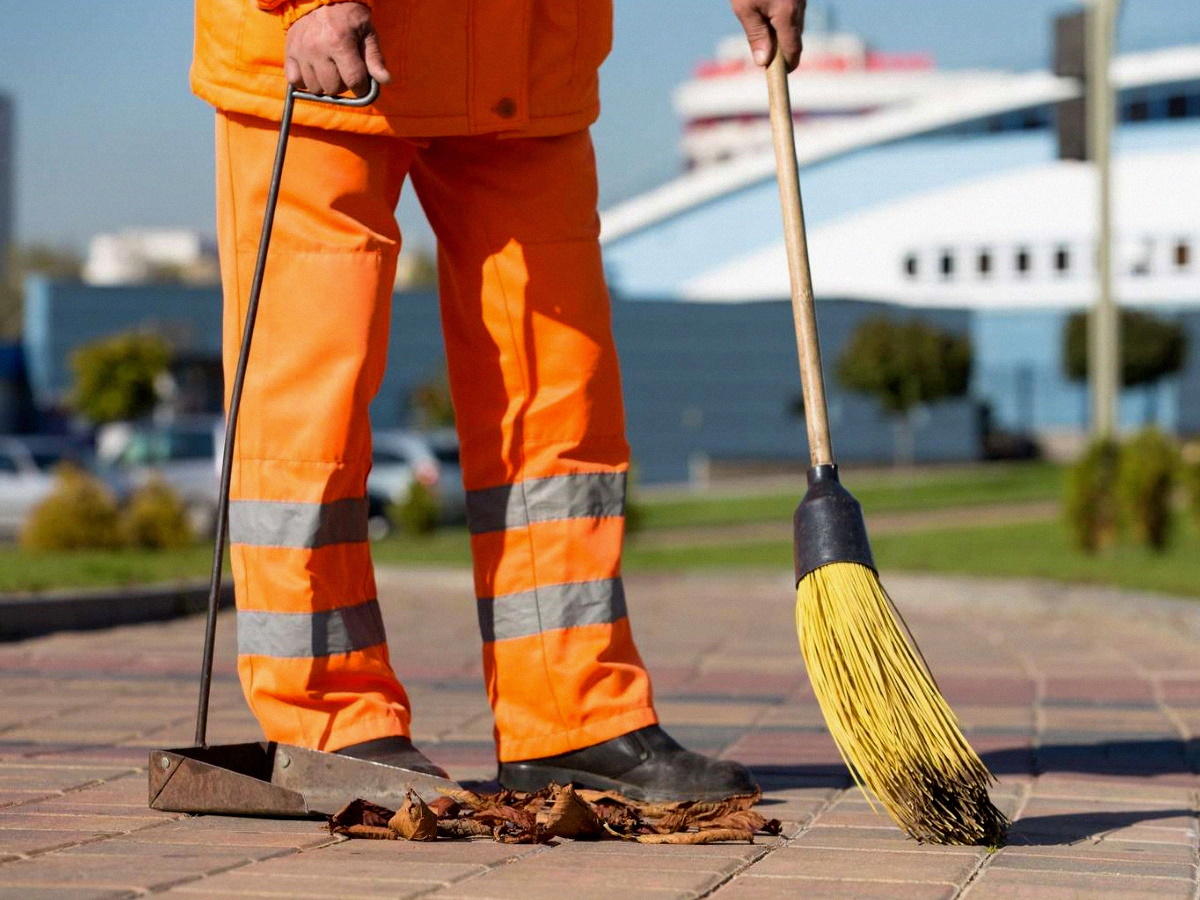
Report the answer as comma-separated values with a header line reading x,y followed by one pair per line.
x,y
506,108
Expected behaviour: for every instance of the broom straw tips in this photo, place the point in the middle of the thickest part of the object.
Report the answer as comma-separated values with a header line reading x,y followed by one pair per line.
x,y
895,731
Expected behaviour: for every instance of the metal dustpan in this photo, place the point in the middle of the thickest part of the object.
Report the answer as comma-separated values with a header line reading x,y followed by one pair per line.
x,y
266,778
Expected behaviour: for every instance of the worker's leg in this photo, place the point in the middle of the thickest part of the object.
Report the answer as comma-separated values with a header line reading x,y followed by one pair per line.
x,y
311,650
533,373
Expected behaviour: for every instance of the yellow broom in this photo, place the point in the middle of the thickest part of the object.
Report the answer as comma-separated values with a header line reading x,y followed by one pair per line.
x,y
891,724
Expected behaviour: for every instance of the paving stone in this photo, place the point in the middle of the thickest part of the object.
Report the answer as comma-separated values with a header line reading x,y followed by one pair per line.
x,y
753,887
845,863
1009,884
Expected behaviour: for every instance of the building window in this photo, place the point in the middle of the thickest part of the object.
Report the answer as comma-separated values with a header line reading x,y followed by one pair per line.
x,y
910,265
1183,254
946,264
983,262
1024,260
1062,260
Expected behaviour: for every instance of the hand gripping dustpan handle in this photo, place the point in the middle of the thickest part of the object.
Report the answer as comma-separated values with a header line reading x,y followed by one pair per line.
x,y
239,379
795,240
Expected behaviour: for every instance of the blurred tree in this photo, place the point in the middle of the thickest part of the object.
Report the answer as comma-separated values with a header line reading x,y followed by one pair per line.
x,y
903,365
1151,349
116,378
431,403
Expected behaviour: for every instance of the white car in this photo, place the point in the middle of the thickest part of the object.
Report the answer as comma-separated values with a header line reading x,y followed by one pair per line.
x,y
27,465
403,458
184,453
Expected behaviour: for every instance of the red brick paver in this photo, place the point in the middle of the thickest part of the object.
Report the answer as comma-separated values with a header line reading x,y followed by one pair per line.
x,y
1083,701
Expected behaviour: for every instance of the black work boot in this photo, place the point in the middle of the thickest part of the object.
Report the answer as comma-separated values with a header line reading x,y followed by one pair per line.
x,y
394,751
647,764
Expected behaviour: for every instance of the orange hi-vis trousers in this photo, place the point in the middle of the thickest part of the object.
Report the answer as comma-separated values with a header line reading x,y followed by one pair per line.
x,y
534,379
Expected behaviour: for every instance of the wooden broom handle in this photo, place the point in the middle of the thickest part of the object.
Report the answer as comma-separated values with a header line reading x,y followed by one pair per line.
x,y
812,382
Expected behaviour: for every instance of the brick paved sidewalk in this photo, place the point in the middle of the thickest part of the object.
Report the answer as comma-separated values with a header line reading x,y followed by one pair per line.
x,y
1083,702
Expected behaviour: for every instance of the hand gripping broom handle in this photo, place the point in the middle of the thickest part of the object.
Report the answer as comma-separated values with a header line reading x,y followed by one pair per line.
x,y
239,380
804,314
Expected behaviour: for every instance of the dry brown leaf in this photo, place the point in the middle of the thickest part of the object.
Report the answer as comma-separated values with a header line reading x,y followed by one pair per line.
x,y
744,820
570,817
462,828
371,832
446,808
414,820
710,836
359,812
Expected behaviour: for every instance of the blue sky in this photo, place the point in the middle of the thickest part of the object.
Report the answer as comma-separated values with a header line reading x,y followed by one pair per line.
x,y
109,136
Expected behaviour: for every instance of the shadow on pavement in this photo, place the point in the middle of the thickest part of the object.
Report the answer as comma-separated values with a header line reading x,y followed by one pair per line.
x,y
1071,828
1119,759
1115,759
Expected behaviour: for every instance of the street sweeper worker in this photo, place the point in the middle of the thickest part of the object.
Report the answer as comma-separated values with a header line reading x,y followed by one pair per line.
x,y
485,105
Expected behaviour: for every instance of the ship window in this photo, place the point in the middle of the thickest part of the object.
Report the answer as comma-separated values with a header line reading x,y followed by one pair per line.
x,y
1139,111
1062,259
1024,260
946,264
1144,261
984,262
1177,106
1183,255
910,265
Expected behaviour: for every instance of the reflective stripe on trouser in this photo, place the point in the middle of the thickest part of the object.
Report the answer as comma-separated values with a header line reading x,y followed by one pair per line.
x,y
534,377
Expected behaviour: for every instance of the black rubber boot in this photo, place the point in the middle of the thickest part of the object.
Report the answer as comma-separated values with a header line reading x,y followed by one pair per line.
x,y
647,764
394,751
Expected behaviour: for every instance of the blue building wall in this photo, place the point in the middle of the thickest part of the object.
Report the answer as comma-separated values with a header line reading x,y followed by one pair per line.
x,y
712,379
1019,373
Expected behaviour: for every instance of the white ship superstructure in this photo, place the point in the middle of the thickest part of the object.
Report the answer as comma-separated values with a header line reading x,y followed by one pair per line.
x,y
724,105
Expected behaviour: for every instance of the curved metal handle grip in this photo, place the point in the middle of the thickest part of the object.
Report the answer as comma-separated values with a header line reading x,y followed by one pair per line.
x,y
366,99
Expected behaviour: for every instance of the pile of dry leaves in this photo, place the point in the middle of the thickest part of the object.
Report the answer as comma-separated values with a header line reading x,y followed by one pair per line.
x,y
511,817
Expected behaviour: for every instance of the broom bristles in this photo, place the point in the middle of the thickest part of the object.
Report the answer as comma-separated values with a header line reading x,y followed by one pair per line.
x,y
895,731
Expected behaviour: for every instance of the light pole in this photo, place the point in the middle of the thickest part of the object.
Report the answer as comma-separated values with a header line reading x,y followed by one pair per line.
x,y
1104,340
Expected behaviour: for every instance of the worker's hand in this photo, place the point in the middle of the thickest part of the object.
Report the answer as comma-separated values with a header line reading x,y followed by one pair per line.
x,y
767,21
333,49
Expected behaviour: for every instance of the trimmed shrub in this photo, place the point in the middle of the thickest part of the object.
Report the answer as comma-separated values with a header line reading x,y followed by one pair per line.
x,y
78,514
418,513
1145,484
156,518
1190,475
1090,504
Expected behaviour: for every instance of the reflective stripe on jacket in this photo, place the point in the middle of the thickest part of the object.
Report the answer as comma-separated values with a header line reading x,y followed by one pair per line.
x,y
528,67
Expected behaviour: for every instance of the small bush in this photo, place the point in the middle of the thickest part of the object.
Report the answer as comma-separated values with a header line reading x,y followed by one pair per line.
x,y
156,518
1190,475
1091,502
1145,484
418,513
78,514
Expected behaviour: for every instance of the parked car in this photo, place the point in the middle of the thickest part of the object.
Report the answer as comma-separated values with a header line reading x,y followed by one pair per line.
x,y
183,452
27,465
403,458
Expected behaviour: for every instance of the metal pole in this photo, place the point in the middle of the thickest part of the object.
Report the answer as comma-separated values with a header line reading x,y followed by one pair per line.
x,y
1104,349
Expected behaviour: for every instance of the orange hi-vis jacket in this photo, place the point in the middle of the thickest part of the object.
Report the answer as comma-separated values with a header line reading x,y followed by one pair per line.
x,y
459,67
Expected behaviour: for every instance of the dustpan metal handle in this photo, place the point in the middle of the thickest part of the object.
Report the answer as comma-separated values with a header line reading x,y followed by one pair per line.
x,y
239,380
804,314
